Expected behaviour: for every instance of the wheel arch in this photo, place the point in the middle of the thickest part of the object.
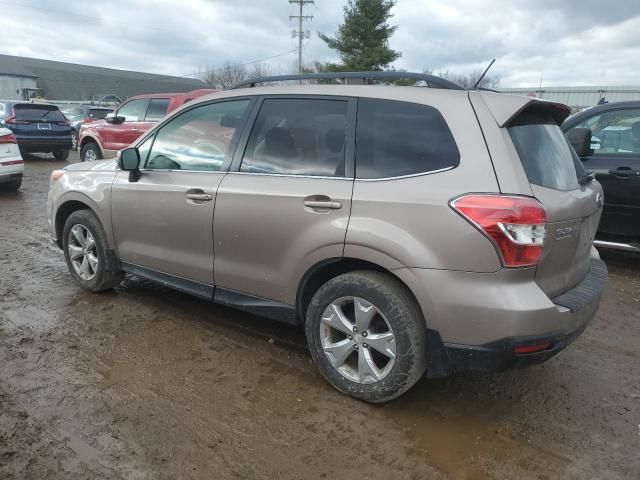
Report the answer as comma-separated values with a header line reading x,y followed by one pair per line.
x,y
327,269
323,271
87,138
73,204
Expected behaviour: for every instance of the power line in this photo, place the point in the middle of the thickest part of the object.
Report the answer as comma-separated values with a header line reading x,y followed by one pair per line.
x,y
299,32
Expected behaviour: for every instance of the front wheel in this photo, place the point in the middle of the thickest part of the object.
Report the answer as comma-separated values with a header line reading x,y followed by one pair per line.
x,y
61,155
90,152
93,265
367,335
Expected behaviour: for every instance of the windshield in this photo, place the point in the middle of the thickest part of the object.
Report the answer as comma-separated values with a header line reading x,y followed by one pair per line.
x,y
545,153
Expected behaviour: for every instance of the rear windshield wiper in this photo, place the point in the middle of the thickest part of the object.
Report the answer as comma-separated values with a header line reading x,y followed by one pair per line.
x,y
586,177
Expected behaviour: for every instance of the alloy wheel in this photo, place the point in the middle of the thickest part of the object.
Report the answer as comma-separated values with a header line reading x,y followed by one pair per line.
x,y
82,252
357,340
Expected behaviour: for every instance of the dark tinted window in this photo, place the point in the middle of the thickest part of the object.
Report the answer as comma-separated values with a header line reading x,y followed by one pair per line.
x,y
35,113
198,139
157,109
97,113
547,157
400,138
298,137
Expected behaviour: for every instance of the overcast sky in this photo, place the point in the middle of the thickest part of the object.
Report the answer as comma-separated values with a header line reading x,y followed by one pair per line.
x,y
558,42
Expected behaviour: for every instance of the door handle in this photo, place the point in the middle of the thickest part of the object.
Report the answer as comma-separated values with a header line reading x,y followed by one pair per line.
x,y
199,197
624,172
134,129
329,204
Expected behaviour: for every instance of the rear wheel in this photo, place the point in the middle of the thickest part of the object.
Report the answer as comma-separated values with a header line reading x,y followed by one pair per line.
x,y
61,154
90,152
93,265
367,335
74,140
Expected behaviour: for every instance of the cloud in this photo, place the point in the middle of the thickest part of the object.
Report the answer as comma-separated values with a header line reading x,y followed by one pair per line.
x,y
573,42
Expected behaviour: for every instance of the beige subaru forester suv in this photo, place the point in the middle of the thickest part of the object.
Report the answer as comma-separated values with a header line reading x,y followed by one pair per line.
x,y
412,230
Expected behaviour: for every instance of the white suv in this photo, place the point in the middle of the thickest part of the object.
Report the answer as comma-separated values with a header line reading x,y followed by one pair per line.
x,y
11,163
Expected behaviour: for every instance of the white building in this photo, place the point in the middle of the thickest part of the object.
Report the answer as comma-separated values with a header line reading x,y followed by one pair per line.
x,y
579,98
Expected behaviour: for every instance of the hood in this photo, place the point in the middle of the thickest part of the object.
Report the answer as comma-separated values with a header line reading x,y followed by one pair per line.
x,y
110,165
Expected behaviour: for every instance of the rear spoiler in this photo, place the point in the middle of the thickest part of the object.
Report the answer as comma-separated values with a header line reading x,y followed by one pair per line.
x,y
506,108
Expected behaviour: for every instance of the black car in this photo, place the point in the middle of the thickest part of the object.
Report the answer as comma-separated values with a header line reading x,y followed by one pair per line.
x,y
607,139
40,128
81,114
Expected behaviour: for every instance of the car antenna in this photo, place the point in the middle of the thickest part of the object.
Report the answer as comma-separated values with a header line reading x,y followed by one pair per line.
x,y
483,74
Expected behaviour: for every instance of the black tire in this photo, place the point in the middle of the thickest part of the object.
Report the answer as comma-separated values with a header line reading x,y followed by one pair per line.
x,y
90,147
108,273
61,155
74,140
404,317
11,186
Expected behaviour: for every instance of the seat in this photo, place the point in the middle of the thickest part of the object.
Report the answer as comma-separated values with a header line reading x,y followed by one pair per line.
x,y
334,139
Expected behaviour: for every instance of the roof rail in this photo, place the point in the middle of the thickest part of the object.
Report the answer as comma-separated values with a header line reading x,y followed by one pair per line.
x,y
431,80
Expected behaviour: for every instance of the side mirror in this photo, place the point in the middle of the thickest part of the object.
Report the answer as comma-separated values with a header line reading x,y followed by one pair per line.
x,y
580,140
114,119
129,161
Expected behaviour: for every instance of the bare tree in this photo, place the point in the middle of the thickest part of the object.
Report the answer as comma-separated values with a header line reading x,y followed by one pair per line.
x,y
259,70
468,80
225,76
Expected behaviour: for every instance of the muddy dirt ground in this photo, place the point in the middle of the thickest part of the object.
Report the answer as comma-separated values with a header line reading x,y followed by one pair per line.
x,y
148,383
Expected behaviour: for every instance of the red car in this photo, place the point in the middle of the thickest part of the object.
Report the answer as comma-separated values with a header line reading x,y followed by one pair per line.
x,y
131,119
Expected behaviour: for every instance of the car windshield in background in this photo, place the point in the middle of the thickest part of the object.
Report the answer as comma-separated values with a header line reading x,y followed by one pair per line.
x,y
547,157
38,113
73,112
98,113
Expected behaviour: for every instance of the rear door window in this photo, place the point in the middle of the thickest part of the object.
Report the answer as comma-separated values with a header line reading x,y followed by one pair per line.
x,y
546,156
395,139
295,136
157,109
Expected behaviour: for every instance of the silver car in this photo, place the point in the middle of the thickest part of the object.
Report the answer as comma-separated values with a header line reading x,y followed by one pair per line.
x,y
412,231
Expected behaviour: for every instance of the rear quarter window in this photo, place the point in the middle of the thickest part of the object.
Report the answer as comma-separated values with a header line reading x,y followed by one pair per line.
x,y
396,139
546,156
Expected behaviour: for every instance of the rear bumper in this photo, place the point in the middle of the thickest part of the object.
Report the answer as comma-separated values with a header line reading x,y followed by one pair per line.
x,y
44,144
580,303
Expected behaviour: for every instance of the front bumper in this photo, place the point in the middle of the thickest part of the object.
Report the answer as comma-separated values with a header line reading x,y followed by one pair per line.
x,y
581,303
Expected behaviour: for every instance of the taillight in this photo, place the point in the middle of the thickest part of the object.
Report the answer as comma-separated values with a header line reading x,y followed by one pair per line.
x,y
516,225
12,120
8,139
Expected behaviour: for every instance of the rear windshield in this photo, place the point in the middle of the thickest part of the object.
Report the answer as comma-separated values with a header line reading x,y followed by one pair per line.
x,y
36,113
98,112
547,157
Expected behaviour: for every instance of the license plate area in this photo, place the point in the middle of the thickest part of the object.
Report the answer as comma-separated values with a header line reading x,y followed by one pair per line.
x,y
44,126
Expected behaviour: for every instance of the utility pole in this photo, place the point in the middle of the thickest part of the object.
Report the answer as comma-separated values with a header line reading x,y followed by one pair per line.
x,y
299,32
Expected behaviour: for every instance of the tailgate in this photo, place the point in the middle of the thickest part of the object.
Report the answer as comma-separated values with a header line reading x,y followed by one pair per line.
x,y
39,121
573,204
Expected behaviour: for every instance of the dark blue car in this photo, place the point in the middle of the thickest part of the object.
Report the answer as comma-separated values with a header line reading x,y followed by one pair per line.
x,y
40,128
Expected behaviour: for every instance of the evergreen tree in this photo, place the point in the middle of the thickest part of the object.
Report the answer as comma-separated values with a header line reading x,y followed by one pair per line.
x,y
363,39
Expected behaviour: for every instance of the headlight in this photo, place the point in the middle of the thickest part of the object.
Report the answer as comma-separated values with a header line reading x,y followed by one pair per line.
x,y
55,176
